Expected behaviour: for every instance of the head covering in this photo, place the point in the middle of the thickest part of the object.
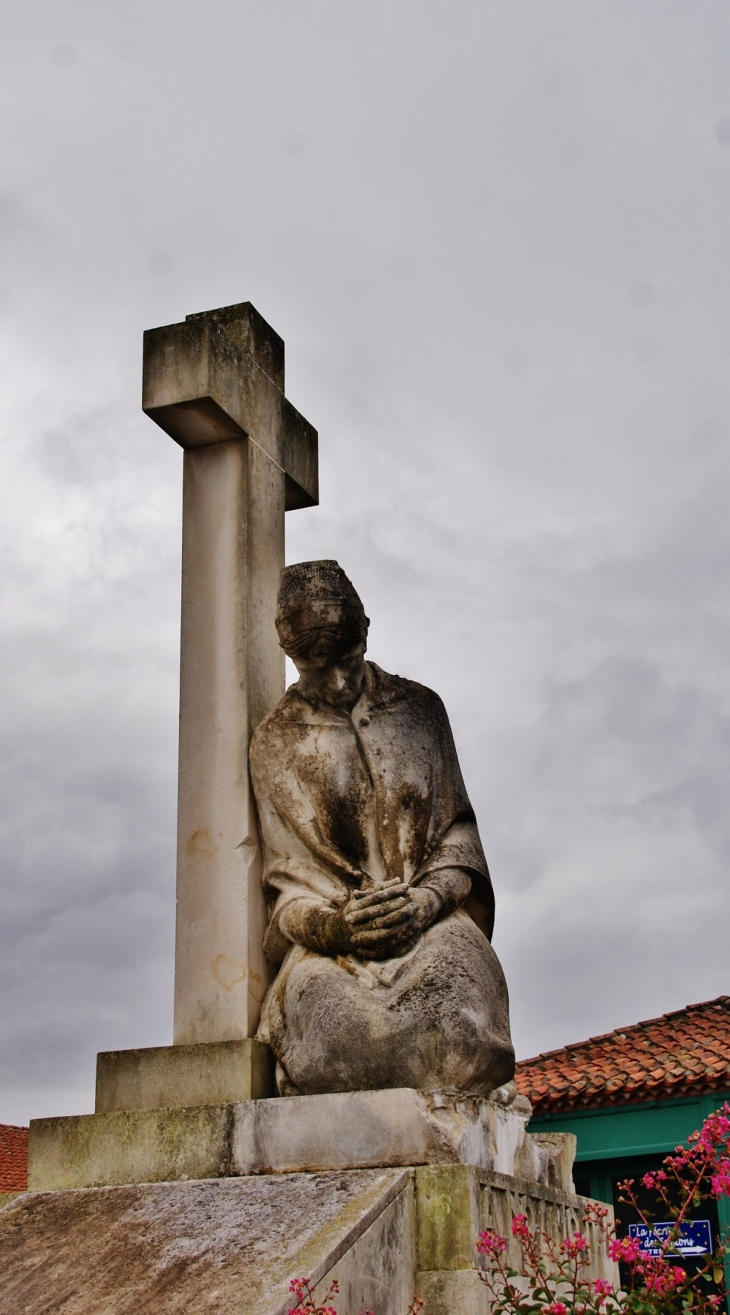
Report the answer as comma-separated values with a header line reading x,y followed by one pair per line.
x,y
316,599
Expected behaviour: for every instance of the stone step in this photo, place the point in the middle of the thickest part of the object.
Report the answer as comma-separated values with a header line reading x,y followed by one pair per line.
x,y
178,1077
226,1246
231,1245
348,1130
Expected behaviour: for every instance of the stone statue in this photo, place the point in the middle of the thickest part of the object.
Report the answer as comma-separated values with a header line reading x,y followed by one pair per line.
x,y
381,902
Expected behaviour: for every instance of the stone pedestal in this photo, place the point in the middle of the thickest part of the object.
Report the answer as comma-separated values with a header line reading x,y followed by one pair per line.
x,y
147,1142
454,1203
179,1077
225,1247
385,1190
233,1244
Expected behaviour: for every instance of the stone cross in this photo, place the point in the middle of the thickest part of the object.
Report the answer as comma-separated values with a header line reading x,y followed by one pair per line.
x,y
215,383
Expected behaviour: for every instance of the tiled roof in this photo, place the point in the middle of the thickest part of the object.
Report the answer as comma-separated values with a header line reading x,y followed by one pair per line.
x,y
13,1158
680,1054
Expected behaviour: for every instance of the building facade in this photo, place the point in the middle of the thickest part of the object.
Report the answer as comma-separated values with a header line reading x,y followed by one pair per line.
x,y
633,1095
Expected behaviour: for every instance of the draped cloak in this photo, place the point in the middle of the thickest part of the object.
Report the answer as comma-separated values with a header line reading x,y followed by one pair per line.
x,y
346,801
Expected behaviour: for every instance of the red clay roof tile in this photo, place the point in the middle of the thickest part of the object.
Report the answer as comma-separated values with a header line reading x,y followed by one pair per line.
x,y
683,1053
13,1158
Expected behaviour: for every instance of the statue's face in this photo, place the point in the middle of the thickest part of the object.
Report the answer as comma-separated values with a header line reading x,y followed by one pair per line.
x,y
336,680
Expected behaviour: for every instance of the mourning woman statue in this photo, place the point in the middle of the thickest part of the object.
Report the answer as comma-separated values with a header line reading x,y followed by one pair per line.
x,y
381,903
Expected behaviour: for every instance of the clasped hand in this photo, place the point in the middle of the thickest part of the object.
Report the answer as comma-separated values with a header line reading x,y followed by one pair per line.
x,y
379,921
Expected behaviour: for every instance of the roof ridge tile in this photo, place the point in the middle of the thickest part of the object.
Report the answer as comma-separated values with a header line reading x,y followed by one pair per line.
x,y
682,1051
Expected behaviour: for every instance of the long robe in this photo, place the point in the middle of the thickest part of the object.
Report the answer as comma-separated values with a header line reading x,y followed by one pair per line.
x,y
345,802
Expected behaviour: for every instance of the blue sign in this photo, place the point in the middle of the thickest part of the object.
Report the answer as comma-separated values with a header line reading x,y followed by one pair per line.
x,y
695,1238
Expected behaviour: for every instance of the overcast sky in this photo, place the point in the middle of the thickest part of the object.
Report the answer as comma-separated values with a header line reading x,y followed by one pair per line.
x,y
494,235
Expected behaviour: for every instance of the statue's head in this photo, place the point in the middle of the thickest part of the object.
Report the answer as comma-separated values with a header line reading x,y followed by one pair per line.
x,y
323,628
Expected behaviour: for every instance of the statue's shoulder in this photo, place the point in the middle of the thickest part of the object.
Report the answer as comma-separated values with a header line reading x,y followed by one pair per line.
x,y
291,708
387,691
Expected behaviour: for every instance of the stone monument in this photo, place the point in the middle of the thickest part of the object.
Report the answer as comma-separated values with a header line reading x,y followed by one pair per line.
x,y
381,903
352,897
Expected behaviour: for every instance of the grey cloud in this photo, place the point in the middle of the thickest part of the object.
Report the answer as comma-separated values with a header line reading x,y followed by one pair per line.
x,y
494,239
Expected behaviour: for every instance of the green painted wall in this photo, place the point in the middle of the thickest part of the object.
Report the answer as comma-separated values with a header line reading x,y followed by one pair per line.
x,y
630,1130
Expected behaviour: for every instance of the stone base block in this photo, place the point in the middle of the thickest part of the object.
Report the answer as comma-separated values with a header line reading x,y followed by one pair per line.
x,y
445,1292
231,1244
226,1247
134,1146
178,1077
455,1202
399,1126
349,1130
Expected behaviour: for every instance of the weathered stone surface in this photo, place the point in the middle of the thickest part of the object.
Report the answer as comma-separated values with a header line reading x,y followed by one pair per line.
x,y
136,1146
455,1202
215,383
452,1292
547,1158
176,1077
232,1245
228,1247
378,1272
348,1130
548,1210
219,375
397,1126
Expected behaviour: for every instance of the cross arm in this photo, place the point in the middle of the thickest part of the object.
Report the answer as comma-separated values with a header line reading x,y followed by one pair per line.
x,y
219,375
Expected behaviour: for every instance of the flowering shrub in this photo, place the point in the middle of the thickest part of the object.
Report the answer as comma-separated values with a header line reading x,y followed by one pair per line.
x,y
305,1302
307,1305
553,1278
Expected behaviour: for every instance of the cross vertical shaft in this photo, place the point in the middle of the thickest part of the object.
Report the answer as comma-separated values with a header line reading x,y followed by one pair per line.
x,y
215,383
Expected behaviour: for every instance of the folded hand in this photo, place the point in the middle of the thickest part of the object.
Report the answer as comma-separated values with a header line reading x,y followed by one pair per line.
x,y
383,920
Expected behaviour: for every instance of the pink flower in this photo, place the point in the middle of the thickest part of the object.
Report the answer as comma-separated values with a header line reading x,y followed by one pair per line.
x,y
720,1181
302,1288
656,1176
627,1249
519,1227
663,1278
491,1243
555,1308
574,1245
715,1129
602,1287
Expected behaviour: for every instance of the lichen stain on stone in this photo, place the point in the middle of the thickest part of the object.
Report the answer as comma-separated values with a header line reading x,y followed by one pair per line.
x,y
162,1249
335,813
201,842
